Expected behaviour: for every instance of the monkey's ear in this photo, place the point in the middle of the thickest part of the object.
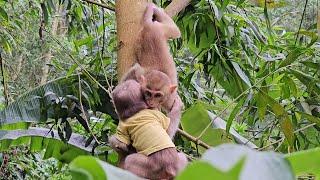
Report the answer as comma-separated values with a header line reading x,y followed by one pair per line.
x,y
172,88
141,79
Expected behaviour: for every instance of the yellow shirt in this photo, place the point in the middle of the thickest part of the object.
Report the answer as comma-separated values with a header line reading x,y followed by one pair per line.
x,y
146,131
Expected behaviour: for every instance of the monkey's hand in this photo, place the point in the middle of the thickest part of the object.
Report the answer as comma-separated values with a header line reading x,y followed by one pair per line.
x,y
119,146
175,116
156,19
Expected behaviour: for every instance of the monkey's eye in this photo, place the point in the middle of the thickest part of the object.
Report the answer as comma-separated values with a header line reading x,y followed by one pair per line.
x,y
158,95
147,94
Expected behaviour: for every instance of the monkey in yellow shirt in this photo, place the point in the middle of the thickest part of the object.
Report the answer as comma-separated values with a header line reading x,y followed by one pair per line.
x,y
145,130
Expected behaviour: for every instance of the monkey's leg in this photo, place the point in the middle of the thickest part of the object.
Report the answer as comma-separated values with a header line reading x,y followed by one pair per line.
x,y
138,164
182,161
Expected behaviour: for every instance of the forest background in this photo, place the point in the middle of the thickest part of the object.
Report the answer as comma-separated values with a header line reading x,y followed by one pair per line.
x,y
248,73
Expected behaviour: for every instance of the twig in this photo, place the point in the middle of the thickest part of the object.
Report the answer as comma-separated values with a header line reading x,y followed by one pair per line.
x,y
84,114
193,139
279,140
304,11
100,4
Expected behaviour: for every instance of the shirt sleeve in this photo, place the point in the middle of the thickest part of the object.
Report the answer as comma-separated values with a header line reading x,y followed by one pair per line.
x,y
122,134
164,121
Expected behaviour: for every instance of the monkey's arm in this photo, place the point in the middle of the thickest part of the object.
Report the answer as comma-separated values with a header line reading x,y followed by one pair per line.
x,y
175,116
118,146
157,20
170,28
135,73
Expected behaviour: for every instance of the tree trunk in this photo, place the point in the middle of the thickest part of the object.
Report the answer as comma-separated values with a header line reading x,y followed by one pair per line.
x,y
128,15
47,54
318,23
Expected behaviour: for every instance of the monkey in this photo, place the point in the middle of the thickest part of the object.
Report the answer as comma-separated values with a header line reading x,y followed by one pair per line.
x,y
153,54
158,89
152,50
144,129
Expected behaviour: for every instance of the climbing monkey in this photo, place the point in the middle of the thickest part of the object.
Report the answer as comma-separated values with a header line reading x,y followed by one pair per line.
x,y
145,130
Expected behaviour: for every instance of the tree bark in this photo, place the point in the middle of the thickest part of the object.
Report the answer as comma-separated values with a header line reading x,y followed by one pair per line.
x,y
128,16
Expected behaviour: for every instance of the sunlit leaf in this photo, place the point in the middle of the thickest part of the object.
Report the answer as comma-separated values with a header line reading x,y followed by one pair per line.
x,y
305,162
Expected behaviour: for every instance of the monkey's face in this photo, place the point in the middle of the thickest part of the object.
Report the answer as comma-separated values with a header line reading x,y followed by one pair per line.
x,y
154,99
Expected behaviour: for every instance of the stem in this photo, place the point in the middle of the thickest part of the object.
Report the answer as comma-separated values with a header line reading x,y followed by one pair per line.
x,y
304,11
193,139
106,6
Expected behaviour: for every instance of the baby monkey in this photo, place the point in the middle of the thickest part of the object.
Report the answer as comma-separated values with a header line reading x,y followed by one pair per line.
x,y
157,89
145,130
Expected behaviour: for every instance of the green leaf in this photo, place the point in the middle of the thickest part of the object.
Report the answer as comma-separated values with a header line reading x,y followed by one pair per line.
x,y
310,118
201,169
283,117
307,80
4,14
305,162
233,113
199,113
291,57
261,105
90,168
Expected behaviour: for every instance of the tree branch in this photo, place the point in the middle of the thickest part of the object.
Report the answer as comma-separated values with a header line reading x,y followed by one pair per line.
x,y
176,6
193,139
100,4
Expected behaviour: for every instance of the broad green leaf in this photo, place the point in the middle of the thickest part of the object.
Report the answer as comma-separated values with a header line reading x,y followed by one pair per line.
x,y
38,139
197,113
200,169
257,165
90,168
31,107
207,172
283,117
305,162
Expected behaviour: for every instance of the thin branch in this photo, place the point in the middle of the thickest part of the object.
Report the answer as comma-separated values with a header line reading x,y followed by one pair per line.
x,y
281,139
106,6
193,139
176,6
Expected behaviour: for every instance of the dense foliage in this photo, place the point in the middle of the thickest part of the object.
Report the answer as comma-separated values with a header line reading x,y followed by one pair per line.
x,y
248,72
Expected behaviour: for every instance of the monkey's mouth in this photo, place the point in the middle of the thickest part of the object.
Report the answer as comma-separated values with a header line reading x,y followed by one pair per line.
x,y
152,105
